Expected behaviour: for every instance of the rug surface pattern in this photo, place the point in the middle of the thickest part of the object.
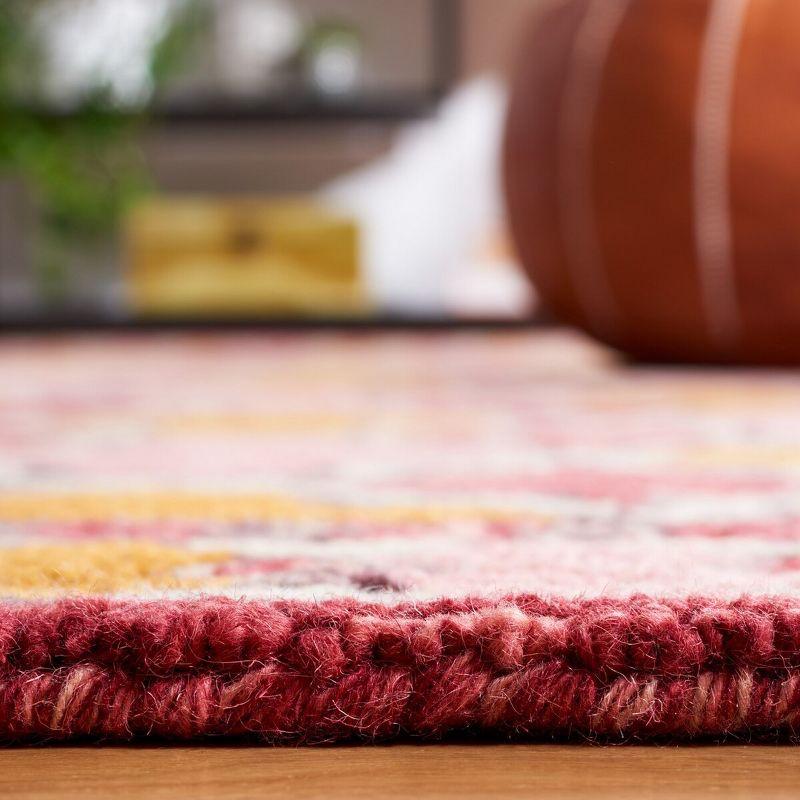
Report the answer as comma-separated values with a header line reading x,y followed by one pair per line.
x,y
324,537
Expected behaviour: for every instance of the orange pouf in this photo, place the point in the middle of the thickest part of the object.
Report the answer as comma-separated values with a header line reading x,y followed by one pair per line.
x,y
653,174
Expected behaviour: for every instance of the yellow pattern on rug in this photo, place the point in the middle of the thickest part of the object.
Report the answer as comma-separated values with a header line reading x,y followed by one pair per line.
x,y
239,508
100,567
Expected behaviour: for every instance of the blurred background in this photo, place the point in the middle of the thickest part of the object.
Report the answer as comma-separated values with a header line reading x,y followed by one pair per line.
x,y
178,160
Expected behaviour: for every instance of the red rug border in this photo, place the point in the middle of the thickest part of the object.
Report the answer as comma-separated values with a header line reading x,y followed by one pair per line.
x,y
284,670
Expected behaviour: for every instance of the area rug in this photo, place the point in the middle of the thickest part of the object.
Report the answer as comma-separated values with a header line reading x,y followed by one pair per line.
x,y
332,537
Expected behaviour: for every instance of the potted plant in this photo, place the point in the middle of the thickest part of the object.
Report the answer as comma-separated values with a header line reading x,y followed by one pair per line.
x,y
69,130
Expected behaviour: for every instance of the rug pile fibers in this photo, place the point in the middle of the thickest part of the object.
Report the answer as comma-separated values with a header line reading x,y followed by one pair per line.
x,y
333,537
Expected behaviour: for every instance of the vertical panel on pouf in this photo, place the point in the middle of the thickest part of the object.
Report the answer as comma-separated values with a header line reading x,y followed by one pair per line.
x,y
765,180
643,176
532,137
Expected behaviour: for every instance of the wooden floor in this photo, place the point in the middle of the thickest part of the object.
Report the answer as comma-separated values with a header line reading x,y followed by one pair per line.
x,y
415,772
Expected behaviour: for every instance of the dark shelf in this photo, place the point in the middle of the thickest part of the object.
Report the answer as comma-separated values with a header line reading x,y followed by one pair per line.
x,y
392,107
400,323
